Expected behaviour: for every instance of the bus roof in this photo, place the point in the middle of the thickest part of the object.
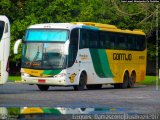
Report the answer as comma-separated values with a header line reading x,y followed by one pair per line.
x,y
55,25
89,25
111,28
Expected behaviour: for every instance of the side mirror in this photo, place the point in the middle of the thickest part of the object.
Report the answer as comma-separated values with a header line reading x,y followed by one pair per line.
x,y
66,47
16,45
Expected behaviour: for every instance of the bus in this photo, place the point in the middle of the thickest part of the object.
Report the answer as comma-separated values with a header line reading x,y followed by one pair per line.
x,y
4,48
82,55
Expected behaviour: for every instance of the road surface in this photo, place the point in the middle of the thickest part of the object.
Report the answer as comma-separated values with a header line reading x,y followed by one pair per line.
x,y
141,99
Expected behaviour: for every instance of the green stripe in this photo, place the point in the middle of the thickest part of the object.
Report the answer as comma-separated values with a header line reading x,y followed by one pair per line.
x,y
51,72
100,63
53,111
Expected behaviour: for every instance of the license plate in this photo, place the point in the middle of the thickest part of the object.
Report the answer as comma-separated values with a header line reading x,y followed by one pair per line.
x,y
41,81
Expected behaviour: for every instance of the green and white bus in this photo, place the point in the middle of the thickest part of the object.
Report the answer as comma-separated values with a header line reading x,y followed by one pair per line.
x,y
4,48
82,54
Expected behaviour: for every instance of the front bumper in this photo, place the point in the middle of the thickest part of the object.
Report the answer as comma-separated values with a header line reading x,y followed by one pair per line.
x,y
45,80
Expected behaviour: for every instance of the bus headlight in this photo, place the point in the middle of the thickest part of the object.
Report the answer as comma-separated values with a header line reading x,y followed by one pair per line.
x,y
25,74
59,75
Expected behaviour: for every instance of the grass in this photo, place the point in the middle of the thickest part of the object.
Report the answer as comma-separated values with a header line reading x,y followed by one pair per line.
x,y
150,80
14,78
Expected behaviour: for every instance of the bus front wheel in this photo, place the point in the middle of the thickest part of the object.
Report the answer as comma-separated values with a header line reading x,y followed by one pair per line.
x,y
43,87
82,82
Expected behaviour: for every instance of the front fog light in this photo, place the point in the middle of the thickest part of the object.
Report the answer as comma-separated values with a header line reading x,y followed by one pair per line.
x,y
25,74
60,75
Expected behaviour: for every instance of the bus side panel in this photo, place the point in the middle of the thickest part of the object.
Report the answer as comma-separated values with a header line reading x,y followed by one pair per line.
x,y
85,63
121,61
101,72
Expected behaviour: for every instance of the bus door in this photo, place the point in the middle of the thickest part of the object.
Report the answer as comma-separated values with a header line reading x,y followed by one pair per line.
x,y
4,48
72,57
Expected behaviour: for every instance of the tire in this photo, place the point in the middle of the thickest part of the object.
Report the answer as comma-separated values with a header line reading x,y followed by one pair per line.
x,y
132,80
92,87
82,82
43,87
125,82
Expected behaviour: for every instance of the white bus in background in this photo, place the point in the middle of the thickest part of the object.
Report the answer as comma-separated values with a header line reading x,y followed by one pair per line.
x,y
4,48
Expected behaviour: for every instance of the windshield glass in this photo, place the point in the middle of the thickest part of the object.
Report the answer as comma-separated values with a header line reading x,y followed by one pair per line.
x,y
43,55
1,28
46,35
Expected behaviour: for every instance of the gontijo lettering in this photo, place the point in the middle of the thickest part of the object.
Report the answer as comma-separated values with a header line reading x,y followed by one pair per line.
x,y
122,56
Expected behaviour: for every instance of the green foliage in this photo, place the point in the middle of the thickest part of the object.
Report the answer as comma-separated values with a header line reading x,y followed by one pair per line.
x,y
13,111
150,80
23,13
14,78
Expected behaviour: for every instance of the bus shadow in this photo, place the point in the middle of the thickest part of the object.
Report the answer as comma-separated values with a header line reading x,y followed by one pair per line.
x,y
60,89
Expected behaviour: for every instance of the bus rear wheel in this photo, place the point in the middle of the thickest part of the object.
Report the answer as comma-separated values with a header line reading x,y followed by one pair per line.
x,y
125,82
132,80
99,86
82,82
43,87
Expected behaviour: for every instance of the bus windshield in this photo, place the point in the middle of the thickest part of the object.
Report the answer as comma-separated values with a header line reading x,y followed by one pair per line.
x,y
1,28
50,35
43,56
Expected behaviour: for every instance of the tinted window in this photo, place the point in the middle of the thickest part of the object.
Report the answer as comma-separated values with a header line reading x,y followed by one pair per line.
x,y
89,38
104,40
93,39
111,40
131,42
73,47
140,43
122,43
84,38
1,29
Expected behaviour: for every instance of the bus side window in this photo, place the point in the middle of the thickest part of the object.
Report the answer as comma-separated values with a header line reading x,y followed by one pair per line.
x,y
84,38
94,40
1,28
137,46
6,28
140,42
107,41
73,47
131,42
122,42
112,40
102,39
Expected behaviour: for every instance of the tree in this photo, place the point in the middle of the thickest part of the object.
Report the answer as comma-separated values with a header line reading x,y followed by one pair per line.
x,y
23,13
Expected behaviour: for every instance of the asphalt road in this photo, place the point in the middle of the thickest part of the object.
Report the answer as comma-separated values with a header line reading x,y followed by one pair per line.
x,y
141,99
